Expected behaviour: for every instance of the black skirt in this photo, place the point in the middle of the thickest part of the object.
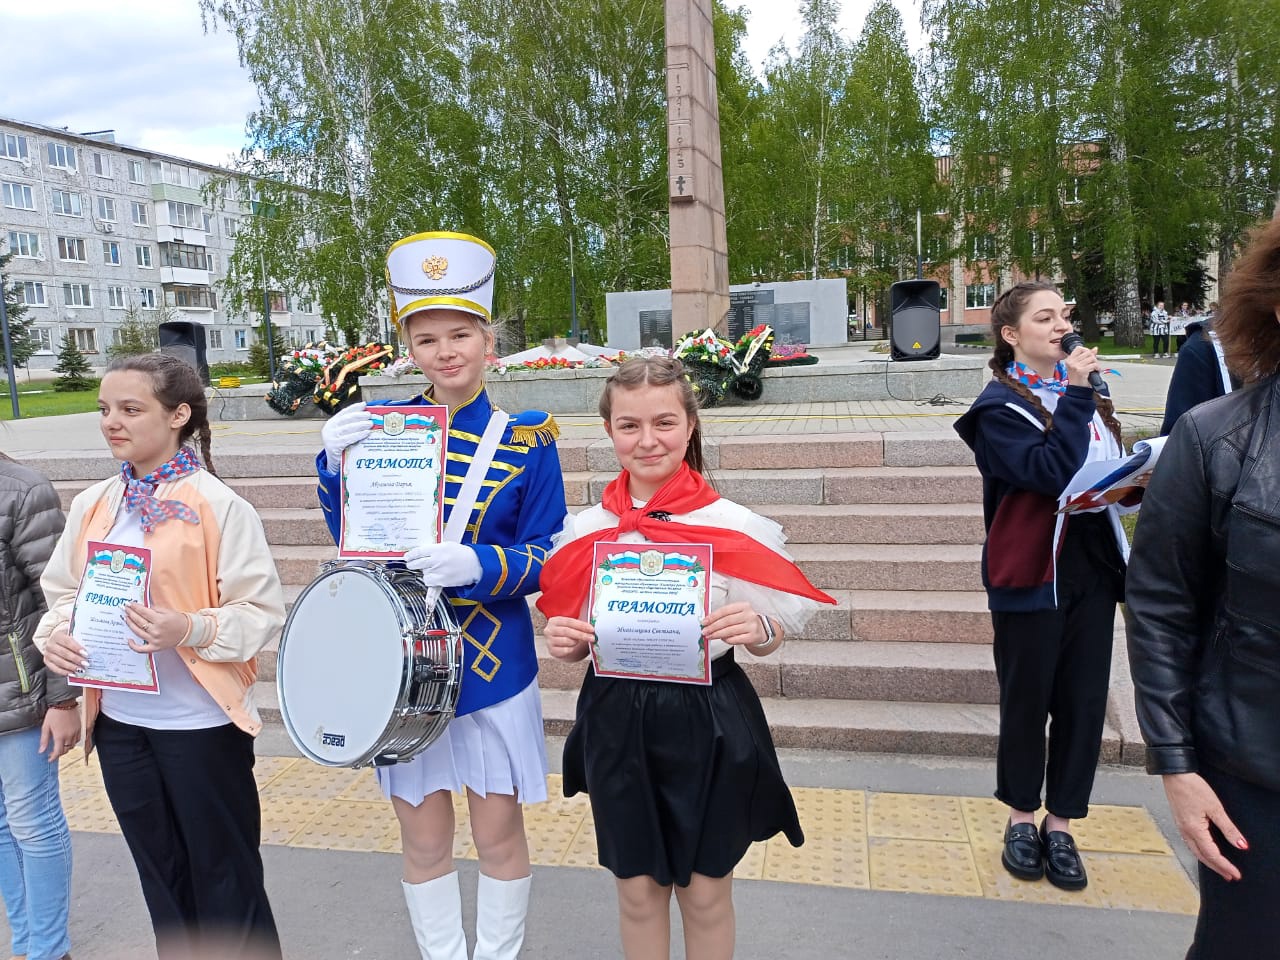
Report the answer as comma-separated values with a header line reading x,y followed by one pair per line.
x,y
682,778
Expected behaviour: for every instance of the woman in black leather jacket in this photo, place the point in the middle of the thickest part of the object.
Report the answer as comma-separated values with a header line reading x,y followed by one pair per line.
x,y
1203,611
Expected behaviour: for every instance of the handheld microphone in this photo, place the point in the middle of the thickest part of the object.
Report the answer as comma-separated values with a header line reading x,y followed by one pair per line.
x,y
1070,343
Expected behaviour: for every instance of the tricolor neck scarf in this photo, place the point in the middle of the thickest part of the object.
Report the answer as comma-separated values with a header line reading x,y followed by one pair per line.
x,y
566,576
1021,373
139,494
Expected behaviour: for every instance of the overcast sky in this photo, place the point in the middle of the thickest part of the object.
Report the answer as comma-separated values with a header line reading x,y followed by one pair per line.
x,y
153,76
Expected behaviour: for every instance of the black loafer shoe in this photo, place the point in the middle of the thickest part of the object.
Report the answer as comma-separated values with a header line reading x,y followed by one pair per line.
x,y
1023,855
1062,863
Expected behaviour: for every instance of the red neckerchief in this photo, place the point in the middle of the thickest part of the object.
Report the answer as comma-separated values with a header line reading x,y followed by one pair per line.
x,y
566,576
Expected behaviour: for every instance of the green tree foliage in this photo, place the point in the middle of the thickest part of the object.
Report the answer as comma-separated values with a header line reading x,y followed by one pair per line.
x,y
139,332
19,323
74,372
259,358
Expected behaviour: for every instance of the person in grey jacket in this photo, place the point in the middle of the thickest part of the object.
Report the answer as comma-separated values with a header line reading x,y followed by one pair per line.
x,y
39,722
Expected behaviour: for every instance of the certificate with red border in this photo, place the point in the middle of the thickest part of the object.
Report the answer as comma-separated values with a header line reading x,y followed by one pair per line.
x,y
114,575
648,601
392,483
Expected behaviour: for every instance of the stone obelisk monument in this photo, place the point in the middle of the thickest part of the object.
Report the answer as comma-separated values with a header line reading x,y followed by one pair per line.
x,y
699,252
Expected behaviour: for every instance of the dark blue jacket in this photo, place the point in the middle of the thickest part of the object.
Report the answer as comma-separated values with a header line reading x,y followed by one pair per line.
x,y
1024,470
520,505
1197,377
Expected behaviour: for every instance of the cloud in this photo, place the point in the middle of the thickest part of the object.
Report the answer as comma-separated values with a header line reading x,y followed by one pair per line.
x,y
152,75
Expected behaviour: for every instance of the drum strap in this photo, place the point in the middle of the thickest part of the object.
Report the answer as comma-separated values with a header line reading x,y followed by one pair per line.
x,y
470,489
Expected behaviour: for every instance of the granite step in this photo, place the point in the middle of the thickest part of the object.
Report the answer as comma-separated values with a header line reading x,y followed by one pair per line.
x,y
845,485
293,455
879,522
869,726
803,523
882,566
830,670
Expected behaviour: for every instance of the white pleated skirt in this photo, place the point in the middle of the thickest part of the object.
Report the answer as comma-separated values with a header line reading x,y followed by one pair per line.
x,y
499,749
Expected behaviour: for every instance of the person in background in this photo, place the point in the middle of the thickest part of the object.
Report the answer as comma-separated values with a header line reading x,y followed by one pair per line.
x,y
1203,622
1160,330
1052,581
177,765
493,751
1200,374
1184,318
682,778
39,722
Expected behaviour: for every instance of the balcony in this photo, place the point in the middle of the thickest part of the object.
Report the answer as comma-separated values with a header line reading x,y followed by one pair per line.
x,y
184,275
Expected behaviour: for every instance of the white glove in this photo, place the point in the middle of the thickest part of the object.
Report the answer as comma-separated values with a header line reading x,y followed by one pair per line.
x,y
444,564
349,425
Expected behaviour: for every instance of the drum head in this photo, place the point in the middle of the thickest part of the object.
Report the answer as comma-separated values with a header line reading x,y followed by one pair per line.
x,y
342,666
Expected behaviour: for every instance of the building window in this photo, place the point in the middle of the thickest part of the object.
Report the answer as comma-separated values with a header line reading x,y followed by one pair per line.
x,y
107,209
208,221
200,298
214,336
71,248
184,255
62,157
115,297
18,196
32,293
942,299
76,295
1071,190
213,262
142,254
43,336
228,227
101,165
983,247
185,215
86,339
66,203
241,339
979,295
147,298
135,172
165,172
139,212
278,303
24,244
111,253
13,146
305,305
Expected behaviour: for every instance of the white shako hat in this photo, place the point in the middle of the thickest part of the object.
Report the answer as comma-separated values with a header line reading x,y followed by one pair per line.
x,y
440,270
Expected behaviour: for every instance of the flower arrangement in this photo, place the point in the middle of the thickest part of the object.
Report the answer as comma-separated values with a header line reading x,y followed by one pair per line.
x,y
790,355
716,367
339,385
296,376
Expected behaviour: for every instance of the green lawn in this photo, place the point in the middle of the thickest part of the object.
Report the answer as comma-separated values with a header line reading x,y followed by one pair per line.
x,y
38,398
1109,348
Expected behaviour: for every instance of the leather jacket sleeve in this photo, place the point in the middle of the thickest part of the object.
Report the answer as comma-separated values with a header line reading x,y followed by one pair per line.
x,y
1174,567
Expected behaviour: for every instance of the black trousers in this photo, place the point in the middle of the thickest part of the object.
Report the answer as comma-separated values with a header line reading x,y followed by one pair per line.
x,y
1056,665
1160,342
1238,919
188,808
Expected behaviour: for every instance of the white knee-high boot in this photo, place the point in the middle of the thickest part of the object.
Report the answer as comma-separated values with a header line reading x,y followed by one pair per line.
x,y
435,908
501,906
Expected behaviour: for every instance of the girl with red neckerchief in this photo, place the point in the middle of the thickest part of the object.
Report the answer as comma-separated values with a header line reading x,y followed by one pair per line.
x,y
682,779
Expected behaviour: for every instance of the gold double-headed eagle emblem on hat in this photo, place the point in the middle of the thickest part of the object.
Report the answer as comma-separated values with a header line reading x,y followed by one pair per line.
x,y
435,267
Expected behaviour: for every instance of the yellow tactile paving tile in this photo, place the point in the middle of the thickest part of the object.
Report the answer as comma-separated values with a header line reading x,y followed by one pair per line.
x,y
911,843
914,816
349,825
923,866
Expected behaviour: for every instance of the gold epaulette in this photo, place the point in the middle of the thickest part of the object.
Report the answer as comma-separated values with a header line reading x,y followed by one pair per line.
x,y
538,435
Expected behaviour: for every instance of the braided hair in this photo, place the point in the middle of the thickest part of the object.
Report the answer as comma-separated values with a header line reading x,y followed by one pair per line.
x,y
1007,312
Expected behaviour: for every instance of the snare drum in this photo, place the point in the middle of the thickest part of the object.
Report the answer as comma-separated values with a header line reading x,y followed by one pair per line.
x,y
369,666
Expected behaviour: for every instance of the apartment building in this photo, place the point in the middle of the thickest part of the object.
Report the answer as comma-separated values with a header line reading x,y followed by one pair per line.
x,y
97,227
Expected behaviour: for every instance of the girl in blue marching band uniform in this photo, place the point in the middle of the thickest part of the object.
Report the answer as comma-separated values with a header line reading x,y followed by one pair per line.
x,y
441,295
1052,581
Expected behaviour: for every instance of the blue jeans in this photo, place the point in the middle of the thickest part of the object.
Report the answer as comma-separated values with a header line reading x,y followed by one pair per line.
x,y
35,848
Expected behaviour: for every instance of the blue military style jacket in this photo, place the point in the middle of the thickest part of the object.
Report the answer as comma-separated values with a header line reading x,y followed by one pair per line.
x,y
519,507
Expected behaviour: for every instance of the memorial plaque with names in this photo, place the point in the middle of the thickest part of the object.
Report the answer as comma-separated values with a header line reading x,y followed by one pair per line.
x,y
655,328
743,311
